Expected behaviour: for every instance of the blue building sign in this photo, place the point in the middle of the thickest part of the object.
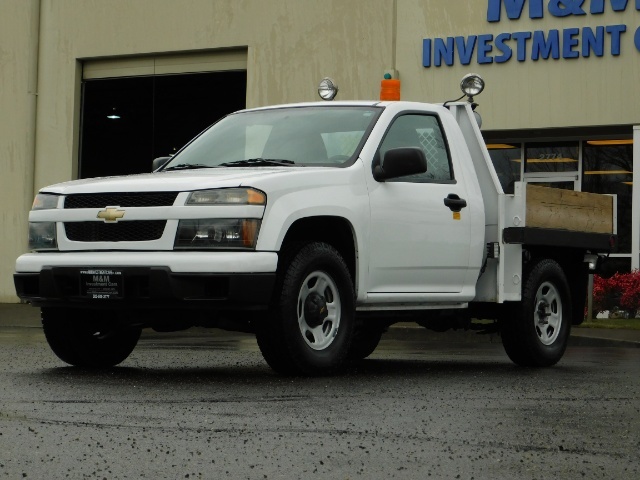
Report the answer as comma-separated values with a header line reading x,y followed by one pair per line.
x,y
534,45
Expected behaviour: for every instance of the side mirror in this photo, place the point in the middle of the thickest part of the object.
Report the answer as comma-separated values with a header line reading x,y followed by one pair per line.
x,y
159,163
399,162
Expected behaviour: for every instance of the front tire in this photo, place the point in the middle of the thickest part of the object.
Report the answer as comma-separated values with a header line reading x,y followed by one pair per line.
x,y
365,341
310,325
88,339
536,332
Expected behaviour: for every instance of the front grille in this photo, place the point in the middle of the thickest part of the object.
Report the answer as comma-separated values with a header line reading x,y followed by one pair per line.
x,y
133,231
101,200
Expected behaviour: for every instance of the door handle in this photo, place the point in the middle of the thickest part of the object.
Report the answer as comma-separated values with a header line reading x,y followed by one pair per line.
x,y
454,202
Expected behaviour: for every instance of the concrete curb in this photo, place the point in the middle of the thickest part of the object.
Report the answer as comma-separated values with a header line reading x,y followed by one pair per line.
x,y
19,315
597,337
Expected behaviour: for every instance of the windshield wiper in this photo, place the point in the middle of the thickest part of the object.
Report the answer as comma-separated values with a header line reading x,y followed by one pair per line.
x,y
258,162
187,166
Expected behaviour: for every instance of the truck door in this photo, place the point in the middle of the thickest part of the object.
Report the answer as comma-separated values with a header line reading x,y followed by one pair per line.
x,y
418,243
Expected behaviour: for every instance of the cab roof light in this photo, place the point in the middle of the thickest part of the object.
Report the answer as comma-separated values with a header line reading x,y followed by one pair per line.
x,y
327,89
471,85
389,89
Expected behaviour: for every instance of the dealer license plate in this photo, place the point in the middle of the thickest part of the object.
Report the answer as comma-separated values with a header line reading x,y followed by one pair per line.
x,y
101,284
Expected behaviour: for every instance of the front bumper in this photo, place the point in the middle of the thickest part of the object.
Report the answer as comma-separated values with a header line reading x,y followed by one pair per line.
x,y
212,281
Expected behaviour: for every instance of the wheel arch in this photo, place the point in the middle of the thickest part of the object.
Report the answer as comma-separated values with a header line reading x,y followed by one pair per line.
x,y
335,231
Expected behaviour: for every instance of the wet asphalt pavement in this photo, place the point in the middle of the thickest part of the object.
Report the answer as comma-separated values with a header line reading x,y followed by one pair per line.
x,y
203,404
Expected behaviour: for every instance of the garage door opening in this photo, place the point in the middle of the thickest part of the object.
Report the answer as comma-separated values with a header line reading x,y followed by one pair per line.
x,y
127,122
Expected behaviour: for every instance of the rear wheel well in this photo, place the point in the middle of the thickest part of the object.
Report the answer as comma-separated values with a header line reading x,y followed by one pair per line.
x,y
335,231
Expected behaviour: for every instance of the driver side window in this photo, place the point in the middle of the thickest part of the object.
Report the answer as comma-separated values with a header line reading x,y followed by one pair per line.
x,y
424,132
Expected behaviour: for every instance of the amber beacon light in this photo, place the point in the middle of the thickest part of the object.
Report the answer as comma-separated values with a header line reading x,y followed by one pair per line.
x,y
389,88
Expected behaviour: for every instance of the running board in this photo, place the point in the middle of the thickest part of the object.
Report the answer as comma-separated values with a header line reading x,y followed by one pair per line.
x,y
387,307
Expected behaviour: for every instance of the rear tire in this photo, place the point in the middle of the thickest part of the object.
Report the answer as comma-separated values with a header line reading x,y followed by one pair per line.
x,y
536,331
310,325
91,339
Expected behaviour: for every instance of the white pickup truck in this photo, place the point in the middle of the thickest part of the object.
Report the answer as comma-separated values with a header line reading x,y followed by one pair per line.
x,y
315,226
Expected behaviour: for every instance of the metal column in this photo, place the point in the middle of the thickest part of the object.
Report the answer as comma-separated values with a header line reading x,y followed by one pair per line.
x,y
635,210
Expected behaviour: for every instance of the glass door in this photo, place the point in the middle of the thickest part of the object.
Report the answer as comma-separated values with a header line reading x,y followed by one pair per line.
x,y
553,164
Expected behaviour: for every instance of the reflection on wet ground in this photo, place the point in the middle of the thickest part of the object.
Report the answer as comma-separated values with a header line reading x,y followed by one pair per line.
x,y
204,404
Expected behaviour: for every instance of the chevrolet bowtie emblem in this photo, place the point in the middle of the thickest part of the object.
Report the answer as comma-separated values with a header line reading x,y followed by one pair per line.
x,y
111,214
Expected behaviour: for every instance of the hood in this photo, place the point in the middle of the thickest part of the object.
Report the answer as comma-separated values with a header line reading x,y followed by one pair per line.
x,y
177,181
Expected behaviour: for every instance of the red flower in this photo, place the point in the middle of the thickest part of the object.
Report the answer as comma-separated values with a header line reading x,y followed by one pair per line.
x,y
619,292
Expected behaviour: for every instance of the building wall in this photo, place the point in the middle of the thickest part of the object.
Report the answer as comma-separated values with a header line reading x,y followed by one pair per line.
x,y
291,45
18,88
529,94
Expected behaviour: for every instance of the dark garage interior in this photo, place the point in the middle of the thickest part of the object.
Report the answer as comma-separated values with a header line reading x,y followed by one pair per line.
x,y
127,122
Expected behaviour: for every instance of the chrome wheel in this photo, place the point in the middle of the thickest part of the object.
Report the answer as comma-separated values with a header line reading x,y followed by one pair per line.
x,y
548,313
319,310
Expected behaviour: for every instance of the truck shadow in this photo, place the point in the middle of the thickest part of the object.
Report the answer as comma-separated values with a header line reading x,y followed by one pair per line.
x,y
256,374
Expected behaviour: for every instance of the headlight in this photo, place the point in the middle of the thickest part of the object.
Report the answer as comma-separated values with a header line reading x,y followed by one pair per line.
x,y
42,236
45,201
230,233
227,196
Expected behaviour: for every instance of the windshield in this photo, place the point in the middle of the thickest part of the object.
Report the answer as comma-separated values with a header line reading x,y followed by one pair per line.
x,y
328,136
